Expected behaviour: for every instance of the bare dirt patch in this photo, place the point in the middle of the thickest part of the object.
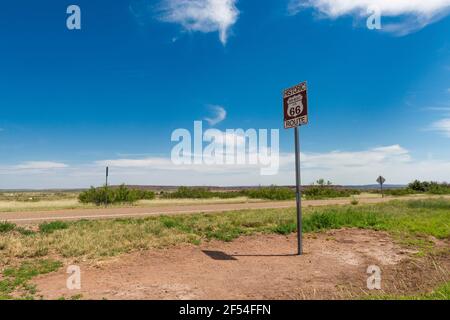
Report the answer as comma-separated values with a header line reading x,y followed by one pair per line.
x,y
255,267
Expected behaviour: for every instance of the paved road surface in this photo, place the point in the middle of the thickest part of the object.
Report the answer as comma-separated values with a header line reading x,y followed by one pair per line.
x,y
31,217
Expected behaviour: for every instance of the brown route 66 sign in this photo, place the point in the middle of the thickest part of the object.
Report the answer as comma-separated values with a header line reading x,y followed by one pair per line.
x,y
295,106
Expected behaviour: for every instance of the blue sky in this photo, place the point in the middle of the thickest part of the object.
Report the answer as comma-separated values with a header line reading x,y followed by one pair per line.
x,y
74,100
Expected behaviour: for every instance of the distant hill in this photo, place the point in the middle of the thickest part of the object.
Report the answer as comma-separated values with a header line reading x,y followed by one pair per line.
x,y
377,186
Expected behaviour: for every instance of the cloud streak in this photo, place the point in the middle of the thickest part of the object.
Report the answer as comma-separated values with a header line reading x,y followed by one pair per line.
x,y
201,15
442,126
219,115
40,165
411,15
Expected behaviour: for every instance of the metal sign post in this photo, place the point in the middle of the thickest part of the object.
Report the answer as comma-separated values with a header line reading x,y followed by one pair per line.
x,y
295,107
298,194
381,180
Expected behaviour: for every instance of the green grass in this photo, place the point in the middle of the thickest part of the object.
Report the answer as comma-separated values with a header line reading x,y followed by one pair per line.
x,y
6,227
52,226
427,204
413,217
17,279
440,293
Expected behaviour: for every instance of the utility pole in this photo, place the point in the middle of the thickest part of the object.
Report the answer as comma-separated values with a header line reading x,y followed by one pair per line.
x,y
106,187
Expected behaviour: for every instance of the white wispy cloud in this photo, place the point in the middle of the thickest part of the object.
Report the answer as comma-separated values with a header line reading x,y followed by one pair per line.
x,y
412,15
44,165
219,114
367,158
442,126
201,15
150,162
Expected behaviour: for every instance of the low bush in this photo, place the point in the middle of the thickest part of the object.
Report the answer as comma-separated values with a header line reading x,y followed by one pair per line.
x,y
6,227
398,192
271,193
324,192
110,195
49,227
429,187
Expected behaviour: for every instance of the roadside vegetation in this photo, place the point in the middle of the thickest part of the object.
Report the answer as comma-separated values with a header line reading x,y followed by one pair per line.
x,y
266,193
442,292
419,187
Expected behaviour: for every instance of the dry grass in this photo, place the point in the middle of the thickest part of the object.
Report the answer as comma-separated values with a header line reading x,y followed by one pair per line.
x,y
67,204
12,206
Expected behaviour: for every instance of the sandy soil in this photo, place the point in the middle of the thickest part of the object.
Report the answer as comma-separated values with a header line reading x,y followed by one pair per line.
x,y
256,267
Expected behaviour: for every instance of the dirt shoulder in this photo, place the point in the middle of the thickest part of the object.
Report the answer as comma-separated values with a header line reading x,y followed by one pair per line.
x,y
255,267
108,213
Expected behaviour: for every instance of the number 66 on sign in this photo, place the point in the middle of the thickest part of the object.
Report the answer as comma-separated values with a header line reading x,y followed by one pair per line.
x,y
295,106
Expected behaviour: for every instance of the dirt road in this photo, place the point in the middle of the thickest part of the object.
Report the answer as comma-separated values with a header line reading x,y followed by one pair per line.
x,y
31,217
334,266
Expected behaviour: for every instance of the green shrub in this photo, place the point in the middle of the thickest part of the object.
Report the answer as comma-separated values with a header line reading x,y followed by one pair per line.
x,y
398,192
96,195
121,194
286,228
429,187
418,186
324,192
49,227
271,193
6,227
